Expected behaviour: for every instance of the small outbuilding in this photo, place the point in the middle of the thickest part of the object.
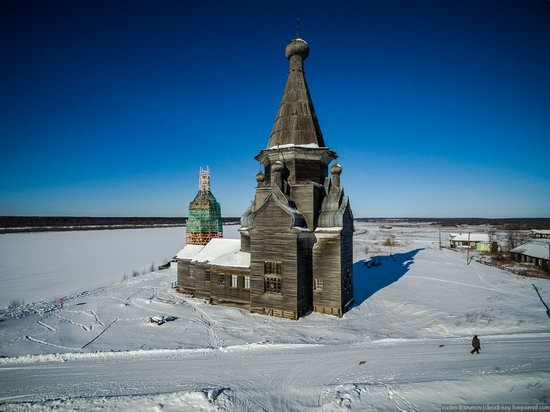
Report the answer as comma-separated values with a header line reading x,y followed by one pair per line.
x,y
540,233
481,242
534,252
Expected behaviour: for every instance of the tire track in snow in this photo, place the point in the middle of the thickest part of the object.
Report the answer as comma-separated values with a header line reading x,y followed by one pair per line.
x,y
96,317
213,340
48,343
47,326
72,322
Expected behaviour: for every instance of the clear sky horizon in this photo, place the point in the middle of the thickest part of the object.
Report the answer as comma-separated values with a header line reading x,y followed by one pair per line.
x,y
436,109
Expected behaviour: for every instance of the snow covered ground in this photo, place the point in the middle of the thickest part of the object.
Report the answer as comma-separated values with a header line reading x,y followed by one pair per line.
x,y
37,266
404,346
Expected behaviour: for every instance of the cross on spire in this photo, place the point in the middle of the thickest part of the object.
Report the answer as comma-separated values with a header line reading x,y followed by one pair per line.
x,y
297,27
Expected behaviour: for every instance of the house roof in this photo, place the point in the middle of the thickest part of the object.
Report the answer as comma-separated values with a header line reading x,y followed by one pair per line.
x,y
189,251
296,122
473,237
535,248
541,231
217,248
235,259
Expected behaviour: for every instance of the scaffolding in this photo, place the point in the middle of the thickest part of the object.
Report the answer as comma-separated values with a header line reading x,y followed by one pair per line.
x,y
205,216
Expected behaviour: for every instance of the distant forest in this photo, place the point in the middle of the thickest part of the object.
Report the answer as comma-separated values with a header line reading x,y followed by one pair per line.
x,y
505,223
14,224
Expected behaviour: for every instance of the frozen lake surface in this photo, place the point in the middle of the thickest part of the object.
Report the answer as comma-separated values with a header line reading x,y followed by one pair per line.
x,y
38,266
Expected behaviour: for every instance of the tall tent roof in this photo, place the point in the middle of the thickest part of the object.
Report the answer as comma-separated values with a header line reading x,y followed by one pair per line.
x,y
296,122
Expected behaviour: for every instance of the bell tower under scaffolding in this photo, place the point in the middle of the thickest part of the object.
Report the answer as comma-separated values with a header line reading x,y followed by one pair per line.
x,y
205,217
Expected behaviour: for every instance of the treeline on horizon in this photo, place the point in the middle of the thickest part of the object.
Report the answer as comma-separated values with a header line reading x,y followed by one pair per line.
x,y
526,223
43,223
11,224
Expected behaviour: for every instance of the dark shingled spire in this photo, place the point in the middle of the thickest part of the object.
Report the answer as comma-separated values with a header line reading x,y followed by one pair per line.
x,y
296,121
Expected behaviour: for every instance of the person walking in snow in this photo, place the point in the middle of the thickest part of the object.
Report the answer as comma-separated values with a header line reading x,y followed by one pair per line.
x,y
476,344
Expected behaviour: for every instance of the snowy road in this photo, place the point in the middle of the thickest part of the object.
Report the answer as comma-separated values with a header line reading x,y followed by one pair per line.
x,y
301,377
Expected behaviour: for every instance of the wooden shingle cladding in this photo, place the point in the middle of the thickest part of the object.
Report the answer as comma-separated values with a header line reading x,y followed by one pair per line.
x,y
296,121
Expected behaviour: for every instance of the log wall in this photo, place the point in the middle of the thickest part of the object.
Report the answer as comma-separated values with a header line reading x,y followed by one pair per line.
x,y
326,267
226,294
186,282
272,239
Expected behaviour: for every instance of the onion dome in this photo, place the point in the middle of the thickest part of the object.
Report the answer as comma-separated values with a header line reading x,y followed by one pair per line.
x,y
260,177
297,47
278,166
336,169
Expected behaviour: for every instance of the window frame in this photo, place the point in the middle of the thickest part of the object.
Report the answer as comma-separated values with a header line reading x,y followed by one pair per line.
x,y
273,284
318,284
273,267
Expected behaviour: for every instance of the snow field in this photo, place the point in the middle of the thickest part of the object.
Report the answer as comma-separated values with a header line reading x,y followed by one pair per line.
x,y
416,312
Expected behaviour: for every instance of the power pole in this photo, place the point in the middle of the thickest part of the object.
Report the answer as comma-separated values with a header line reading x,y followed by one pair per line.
x,y
468,250
439,237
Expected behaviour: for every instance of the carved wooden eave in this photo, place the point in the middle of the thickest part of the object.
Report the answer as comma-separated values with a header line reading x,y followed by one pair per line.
x,y
266,156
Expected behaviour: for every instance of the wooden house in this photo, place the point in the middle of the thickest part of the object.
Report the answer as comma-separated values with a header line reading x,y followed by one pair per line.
x,y
535,252
480,242
295,253
540,233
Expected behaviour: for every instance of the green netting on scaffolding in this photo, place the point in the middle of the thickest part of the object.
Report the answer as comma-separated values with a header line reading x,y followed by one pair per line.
x,y
204,214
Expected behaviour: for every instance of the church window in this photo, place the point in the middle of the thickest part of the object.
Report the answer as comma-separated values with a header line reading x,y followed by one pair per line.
x,y
318,284
272,279
272,284
272,267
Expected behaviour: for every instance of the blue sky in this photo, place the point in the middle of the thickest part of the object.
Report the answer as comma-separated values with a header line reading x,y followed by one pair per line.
x,y
436,108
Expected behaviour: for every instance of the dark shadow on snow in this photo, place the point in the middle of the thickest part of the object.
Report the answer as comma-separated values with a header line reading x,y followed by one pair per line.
x,y
371,275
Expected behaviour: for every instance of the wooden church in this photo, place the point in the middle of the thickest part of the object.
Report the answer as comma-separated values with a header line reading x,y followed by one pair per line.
x,y
295,253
